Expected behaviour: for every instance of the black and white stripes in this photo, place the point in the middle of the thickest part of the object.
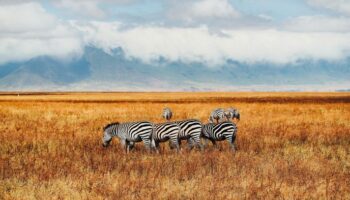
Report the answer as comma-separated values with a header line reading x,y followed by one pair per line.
x,y
221,115
192,130
217,115
164,132
232,113
167,114
128,133
218,132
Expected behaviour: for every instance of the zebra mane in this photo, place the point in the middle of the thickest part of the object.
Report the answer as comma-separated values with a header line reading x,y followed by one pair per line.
x,y
109,125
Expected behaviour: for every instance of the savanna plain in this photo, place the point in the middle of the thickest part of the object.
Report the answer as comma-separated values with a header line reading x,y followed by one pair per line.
x,y
289,146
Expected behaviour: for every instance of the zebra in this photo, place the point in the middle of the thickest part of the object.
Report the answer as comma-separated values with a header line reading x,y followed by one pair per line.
x,y
217,114
190,130
232,113
163,132
218,132
129,133
167,114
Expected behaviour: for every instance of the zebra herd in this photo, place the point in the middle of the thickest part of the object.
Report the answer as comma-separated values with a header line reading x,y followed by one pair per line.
x,y
220,127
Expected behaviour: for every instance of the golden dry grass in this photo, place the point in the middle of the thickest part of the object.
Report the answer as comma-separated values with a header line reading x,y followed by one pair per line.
x,y
291,146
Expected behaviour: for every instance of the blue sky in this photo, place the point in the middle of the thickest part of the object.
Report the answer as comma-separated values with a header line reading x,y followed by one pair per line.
x,y
208,31
277,9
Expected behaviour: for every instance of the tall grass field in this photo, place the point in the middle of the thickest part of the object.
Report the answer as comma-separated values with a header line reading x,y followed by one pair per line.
x,y
289,146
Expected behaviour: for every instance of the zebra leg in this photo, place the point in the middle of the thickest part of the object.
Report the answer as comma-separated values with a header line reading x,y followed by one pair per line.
x,y
171,144
175,141
127,146
177,147
147,143
197,141
156,146
130,146
214,143
231,142
190,143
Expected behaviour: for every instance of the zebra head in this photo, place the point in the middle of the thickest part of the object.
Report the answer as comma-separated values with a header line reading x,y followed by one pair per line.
x,y
108,133
232,113
228,115
237,115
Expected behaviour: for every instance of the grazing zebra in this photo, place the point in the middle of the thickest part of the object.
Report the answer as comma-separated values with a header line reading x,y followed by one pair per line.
x,y
232,113
129,133
164,132
217,114
167,114
218,132
190,130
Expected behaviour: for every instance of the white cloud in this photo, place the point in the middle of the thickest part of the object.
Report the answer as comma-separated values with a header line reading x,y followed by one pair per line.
x,y
34,33
198,10
89,8
104,35
198,44
213,8
32,17
318,24
341,6
9,2
13,49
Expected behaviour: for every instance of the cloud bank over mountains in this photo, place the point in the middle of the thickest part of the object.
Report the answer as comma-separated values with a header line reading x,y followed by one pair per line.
x,y
209,32
114,71
27,31
199,45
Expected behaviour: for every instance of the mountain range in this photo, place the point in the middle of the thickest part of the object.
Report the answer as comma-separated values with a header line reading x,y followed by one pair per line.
x,y
97,70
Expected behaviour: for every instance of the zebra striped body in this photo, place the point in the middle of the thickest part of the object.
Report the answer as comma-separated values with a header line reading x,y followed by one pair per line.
x,y
164,132
190,130
232,113
217,115
128,133
218,132
167,114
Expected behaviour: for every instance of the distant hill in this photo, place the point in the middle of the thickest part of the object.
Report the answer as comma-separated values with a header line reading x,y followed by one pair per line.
x,y
98,70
